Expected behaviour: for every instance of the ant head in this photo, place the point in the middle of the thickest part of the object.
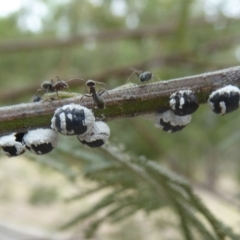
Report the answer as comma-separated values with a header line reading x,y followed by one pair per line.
x,y
90,83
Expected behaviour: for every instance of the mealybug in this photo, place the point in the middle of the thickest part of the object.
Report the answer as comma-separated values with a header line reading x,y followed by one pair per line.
x,y
168,121
97,136
40,141
183,102
72,119
224,100
12,144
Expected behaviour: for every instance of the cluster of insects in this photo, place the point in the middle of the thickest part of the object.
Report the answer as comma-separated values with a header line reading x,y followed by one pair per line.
x,y
184,103
74,119
56,86
38,141
60,85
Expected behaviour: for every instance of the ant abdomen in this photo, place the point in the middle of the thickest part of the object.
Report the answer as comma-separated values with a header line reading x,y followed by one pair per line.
x,y
145,76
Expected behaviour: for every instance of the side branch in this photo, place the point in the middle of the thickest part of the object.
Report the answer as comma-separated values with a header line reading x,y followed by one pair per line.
x,y
103,36
120,102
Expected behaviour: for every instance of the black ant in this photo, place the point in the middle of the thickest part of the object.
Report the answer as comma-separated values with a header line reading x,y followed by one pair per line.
x,y
145,76
142,76
59,85
96,97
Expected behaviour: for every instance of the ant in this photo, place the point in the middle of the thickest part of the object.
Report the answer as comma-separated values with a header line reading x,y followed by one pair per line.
x,y
59,85
142,76
145,76
98,100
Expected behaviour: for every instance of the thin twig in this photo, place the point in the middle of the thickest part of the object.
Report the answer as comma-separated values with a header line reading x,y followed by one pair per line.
x,y
107,35
126,102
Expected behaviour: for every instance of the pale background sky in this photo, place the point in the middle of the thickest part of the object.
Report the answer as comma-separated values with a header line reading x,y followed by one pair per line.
x,y
35,10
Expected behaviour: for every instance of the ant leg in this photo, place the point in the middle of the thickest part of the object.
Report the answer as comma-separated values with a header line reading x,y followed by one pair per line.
x,y
103,93
52,82
67,89
75,79
36,97
104,89
85,95
57,77
40,89
100,93
130,76
154,75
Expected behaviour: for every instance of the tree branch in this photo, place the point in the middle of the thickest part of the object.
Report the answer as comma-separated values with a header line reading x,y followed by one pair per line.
x,y
107,35
125,102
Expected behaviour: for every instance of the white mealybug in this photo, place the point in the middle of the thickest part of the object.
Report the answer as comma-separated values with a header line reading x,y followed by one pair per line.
x,y
168,121
224,100
183,102
40,141
72,119
97,136
12,144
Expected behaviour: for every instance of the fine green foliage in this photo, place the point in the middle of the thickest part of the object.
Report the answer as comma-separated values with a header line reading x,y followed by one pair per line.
x,y
142,184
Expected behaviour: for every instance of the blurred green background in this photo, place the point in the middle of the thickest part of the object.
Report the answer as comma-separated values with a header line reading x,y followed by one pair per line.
x,y
102,40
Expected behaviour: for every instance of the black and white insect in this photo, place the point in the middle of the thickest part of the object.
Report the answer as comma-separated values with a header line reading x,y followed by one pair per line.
x,y
168,121
98,100
12,144
97,136
183,102
40,141
72,119
224,100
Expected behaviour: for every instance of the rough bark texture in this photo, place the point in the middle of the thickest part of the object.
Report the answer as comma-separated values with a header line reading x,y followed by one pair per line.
x,y
121,102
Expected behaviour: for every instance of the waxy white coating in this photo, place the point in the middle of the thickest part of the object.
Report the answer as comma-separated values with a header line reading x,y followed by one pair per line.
x,y
172,101
174,120
40,136
221,91
66,113
100,131
10,141
227,89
